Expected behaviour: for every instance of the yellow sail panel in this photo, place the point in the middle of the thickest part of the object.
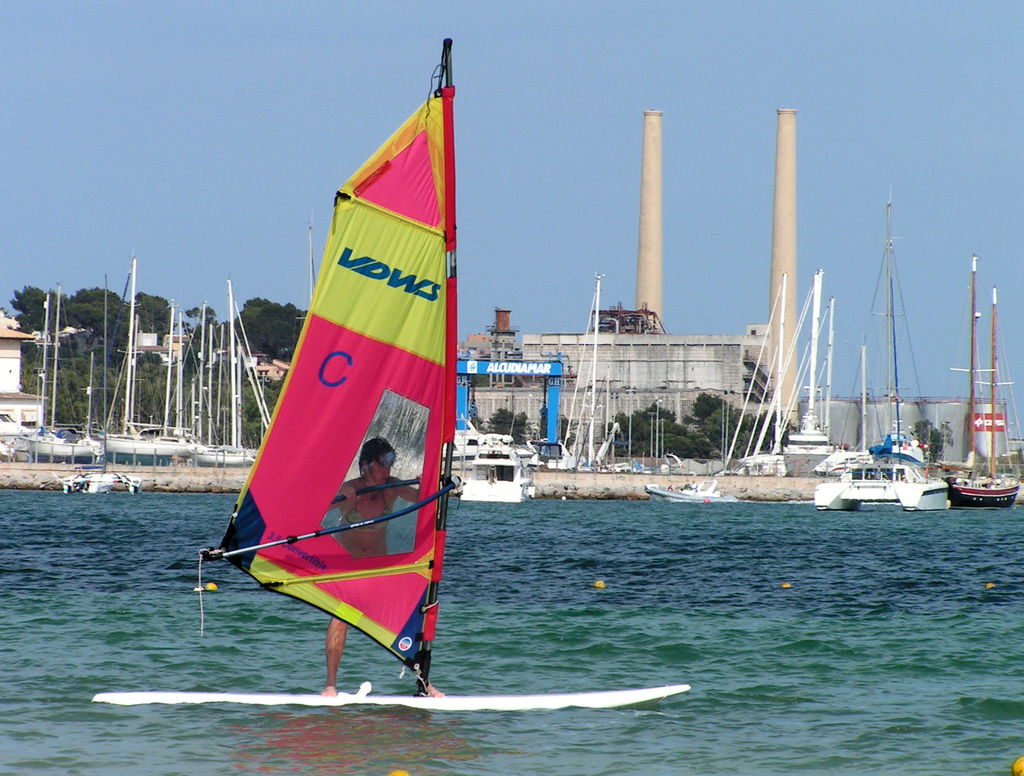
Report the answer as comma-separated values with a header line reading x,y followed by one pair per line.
x,y
395,270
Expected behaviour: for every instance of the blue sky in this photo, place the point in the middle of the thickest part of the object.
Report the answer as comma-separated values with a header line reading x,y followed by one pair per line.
x,y
205,137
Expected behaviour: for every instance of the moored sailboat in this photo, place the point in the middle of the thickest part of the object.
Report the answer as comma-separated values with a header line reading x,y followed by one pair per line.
x,y
971,488
895,474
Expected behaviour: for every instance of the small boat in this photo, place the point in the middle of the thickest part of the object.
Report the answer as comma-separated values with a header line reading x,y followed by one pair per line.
x,y
882,482
703,492
99,482
971,489
497,473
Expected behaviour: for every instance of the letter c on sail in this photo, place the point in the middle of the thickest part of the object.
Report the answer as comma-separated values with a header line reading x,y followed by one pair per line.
x,y
323,368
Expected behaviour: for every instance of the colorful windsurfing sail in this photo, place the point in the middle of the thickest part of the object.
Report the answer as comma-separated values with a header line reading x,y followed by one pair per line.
x,y
345,505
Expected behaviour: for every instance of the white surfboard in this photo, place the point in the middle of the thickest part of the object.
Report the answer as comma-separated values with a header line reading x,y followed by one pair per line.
x,y
589,700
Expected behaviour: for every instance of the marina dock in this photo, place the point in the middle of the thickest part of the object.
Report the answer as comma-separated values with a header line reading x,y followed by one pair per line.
x,y
550,484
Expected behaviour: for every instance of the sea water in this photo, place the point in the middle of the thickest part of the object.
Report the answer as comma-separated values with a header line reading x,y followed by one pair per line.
x,y
879,642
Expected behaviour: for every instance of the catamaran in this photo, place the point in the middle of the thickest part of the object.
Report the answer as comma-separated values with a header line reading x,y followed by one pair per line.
x,y
895,474
376,361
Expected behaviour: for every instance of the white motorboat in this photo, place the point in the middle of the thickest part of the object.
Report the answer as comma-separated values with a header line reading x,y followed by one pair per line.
x,y
497,473
703,492
883,482
99,482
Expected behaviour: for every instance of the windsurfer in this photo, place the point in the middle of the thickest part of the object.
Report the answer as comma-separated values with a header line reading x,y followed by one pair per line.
x,y
375,461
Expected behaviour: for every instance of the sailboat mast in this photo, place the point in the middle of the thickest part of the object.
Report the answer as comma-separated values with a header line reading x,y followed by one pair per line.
x,y
198,380
88,395
992,393
812,374
235,435
827,425
593,368
894,374
56,348
863,399
972,372
170,370
777,447
311,285
46,354
179,418
129,395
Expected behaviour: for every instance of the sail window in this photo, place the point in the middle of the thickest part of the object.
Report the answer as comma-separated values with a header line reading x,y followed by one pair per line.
x,y
386,483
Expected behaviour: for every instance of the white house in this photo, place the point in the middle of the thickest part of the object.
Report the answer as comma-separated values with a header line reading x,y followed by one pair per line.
x,y
20,407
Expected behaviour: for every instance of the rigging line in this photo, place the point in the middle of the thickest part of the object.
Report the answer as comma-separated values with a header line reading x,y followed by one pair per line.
x,y
217,553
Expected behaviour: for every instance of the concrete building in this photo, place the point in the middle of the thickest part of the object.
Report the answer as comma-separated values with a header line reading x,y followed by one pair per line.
x,y
633,370
21,407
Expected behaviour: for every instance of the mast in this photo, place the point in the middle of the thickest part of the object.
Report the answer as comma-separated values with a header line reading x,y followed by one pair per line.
x,y
992,394
170,370
777,447
179,384
863,399
56,348
593,368
311,284
103,378
972,372
88,396
445,89
894,374
198,381
828,379
234,369
46,353
129,393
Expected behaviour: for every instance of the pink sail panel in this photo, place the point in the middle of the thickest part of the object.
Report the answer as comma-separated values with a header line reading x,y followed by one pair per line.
x,y
405,184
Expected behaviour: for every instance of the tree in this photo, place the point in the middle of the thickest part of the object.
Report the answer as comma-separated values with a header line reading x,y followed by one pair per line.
x,y
504,422
28,304
272,328
934,439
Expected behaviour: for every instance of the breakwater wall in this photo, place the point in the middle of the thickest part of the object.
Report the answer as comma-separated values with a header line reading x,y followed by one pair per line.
x,y
549,484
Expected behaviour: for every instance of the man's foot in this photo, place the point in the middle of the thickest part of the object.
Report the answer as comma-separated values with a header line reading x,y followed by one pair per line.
x,y
433,692
329,692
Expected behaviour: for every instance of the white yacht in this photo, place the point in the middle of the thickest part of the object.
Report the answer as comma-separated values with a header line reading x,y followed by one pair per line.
x,y
497,473
882,482
99,482
703,492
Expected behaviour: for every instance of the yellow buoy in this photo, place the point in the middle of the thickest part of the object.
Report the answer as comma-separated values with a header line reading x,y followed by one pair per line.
x,y
210,586
1018,767
399,773
990,585
786,584
599,584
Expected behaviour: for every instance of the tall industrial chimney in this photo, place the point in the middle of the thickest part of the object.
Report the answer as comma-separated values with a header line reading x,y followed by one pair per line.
x,y
784,254
648,257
